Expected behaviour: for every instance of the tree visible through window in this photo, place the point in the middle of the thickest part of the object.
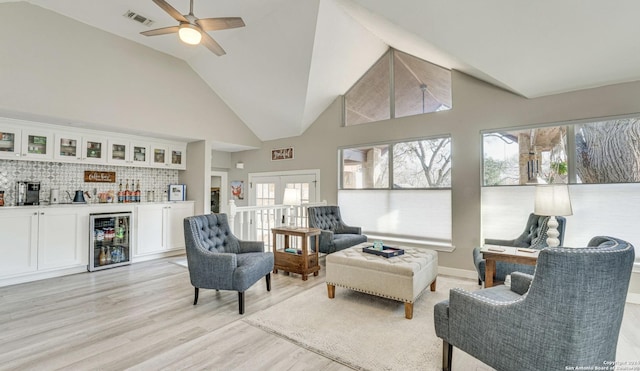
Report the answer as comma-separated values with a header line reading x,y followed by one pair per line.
x,y
605,152
415,164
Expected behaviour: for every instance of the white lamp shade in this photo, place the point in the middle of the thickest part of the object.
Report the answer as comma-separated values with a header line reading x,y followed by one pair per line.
x,y
189,34
291,197
552,200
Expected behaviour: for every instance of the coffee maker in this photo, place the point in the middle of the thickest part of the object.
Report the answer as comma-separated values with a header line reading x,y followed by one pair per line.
x,y
27,193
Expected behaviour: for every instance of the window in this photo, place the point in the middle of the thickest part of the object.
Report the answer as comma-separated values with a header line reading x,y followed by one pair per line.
x,y
400,191
424,163
603,151
416,86
365,167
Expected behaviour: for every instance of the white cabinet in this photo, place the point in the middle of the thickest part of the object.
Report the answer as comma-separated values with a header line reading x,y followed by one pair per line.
x,y
160,227
94,150
19,246
71,147
42,239
61,233
30,143
68,147
178,156
37,144
10,141
126,152
173,156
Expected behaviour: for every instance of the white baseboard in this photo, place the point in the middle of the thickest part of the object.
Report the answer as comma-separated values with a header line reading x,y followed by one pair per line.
x,y
633,298
462,273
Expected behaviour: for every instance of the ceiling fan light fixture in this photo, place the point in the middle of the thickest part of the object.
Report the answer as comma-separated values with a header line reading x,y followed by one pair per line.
x,y
189,34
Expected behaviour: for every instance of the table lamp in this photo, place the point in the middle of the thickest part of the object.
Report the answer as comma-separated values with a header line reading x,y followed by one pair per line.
x,y
552,200
291,198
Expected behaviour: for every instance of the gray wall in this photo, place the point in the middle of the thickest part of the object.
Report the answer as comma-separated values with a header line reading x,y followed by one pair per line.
x,y
476,106
58,70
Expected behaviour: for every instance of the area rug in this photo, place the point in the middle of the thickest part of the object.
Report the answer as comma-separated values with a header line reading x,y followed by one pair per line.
x,y
362,331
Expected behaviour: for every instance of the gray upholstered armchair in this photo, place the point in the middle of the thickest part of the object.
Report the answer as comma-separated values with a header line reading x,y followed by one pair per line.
x,y
568,314
218,260
335,235
534,236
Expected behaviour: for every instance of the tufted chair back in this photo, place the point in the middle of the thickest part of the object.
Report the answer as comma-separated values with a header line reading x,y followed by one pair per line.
x,y
326,217
214,233
535,232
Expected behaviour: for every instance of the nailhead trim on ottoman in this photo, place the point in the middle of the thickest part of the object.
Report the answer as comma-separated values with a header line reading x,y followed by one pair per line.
x,y
401,278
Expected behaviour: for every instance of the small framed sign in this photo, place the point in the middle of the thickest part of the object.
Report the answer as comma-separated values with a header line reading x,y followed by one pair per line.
x,y
282,154
99,176
177,192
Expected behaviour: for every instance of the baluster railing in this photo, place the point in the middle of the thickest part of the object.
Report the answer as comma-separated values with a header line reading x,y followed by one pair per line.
x,y
254,223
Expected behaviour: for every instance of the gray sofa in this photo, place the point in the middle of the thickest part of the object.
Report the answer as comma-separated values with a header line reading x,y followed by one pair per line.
x,y
568,314
335,235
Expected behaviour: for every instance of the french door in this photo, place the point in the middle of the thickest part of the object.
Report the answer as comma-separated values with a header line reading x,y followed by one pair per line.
x,y
268,190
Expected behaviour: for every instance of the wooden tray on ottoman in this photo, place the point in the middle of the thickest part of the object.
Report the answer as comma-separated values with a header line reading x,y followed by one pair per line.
x,y
387,251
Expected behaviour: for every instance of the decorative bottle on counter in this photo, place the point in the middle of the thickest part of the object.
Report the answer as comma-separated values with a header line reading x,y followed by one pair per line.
x,y
127,193
120,193
136,193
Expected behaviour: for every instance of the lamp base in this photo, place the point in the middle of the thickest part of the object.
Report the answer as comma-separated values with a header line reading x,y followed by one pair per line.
x,y
552,232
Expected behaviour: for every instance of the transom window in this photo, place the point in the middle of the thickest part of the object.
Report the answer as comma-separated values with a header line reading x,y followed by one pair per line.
x,y
398,85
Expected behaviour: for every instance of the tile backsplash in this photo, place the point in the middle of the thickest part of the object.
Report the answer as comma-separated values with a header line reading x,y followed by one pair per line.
x,y
70,177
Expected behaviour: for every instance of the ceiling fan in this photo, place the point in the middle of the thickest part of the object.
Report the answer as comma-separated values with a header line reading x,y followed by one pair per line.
x,y
193,30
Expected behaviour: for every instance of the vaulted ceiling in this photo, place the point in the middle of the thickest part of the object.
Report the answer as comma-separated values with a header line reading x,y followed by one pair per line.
x,y
294,57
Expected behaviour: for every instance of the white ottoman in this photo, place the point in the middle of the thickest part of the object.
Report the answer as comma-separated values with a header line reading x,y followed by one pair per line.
x,y
401,278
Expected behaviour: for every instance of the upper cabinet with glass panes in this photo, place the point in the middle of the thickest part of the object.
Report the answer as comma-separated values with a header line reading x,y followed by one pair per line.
x,y
589,151
25,140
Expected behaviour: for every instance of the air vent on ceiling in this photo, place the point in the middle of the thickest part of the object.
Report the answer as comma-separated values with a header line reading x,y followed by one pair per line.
x,y
138,18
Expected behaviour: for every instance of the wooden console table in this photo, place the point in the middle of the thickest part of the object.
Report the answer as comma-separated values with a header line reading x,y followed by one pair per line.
x,y
493,253
304,263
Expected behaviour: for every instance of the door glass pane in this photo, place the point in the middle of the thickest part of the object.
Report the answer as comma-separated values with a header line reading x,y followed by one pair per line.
x,y
158,156
37,144
94,149
139,154
7,142
119,152
68,147
176,157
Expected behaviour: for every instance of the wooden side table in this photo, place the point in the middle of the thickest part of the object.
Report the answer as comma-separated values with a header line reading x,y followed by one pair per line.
x,y
304,263
493,253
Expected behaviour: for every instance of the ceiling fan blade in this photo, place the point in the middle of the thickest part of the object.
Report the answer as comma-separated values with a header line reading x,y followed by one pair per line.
x,y
161,31
212,45
170,10
214,24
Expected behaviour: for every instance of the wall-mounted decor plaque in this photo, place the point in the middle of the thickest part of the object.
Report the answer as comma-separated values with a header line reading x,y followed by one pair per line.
x,y
99,176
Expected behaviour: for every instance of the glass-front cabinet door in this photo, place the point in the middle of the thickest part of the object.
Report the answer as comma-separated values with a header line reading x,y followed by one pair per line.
x,y
178,156
94,150
139,153
160,155
118,151
68,147
37,144
9,142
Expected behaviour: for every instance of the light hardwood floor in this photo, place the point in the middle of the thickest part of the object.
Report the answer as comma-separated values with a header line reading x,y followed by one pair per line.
x,y
141,317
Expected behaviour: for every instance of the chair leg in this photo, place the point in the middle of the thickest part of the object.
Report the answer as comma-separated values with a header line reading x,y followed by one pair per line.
x,y
195,299
447,352
241,302
268,277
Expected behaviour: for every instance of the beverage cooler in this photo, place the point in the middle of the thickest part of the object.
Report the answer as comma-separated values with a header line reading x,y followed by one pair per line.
x,y
110,240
